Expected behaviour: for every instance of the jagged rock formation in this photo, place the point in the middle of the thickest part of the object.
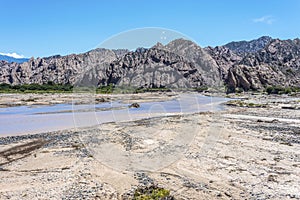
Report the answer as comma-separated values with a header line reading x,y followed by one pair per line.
x,y
250,65
224,58
120,52
243,47
204,63
58,69
185,66
147,68
277,64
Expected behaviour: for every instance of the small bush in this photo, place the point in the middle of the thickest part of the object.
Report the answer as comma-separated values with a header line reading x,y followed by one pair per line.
x,y
151,193
281,90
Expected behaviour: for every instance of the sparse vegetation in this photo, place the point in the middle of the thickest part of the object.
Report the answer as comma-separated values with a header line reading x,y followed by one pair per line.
x,y
240,103
51,87
281,90
109,89
35,88
134,90
151,193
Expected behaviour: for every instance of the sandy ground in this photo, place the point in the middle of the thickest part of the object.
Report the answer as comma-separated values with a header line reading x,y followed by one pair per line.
x,y
244,152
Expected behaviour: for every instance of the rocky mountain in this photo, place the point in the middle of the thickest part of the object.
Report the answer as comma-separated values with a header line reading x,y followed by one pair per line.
x,y
179,64
58,69
11,59
277,64
151,68
204,63
224,58
244,47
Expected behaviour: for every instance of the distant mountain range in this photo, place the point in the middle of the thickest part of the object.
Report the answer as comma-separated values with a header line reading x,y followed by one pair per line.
x,y
12,59
243,47
252,65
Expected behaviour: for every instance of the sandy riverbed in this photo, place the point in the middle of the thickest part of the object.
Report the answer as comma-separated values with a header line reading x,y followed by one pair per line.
x,y
31,99
240,153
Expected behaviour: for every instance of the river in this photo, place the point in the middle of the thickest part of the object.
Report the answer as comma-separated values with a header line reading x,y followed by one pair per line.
x,y
21,120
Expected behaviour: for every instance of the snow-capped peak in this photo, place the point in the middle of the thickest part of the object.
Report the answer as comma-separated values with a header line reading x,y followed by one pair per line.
x,y
14,55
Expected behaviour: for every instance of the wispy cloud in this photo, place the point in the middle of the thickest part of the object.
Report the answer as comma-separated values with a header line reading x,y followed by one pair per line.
x,y
268,19
15,55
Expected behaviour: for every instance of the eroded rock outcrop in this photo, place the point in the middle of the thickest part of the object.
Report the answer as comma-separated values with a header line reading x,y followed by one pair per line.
x,y
150,68
224,58
203,62
58,69
180,64
278,64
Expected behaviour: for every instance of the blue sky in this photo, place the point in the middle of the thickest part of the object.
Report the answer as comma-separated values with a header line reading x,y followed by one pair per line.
x,y
48,27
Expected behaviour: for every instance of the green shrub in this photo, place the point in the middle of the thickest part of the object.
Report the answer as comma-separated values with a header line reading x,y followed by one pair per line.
x,y
34,87
280,90
151,193
4,86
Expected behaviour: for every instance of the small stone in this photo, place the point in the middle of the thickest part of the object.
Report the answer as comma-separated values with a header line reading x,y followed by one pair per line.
x,y
134,105
272,178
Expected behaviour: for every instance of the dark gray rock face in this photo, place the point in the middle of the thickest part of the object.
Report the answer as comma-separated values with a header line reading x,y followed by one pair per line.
x,y
224,58
276,64
244,47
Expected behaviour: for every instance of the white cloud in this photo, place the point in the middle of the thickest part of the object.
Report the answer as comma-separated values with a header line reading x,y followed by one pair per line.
x,y
268,19
15,55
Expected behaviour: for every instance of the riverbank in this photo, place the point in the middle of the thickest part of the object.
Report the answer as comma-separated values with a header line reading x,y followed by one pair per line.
x,y
31,99
248,151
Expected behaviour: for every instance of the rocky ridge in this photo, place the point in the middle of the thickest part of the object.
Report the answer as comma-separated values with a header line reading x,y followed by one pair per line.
x,y
277,64
154,67
244,47
252,65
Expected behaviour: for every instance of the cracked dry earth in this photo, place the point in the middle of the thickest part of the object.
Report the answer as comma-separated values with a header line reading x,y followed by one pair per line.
x,y
240,153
